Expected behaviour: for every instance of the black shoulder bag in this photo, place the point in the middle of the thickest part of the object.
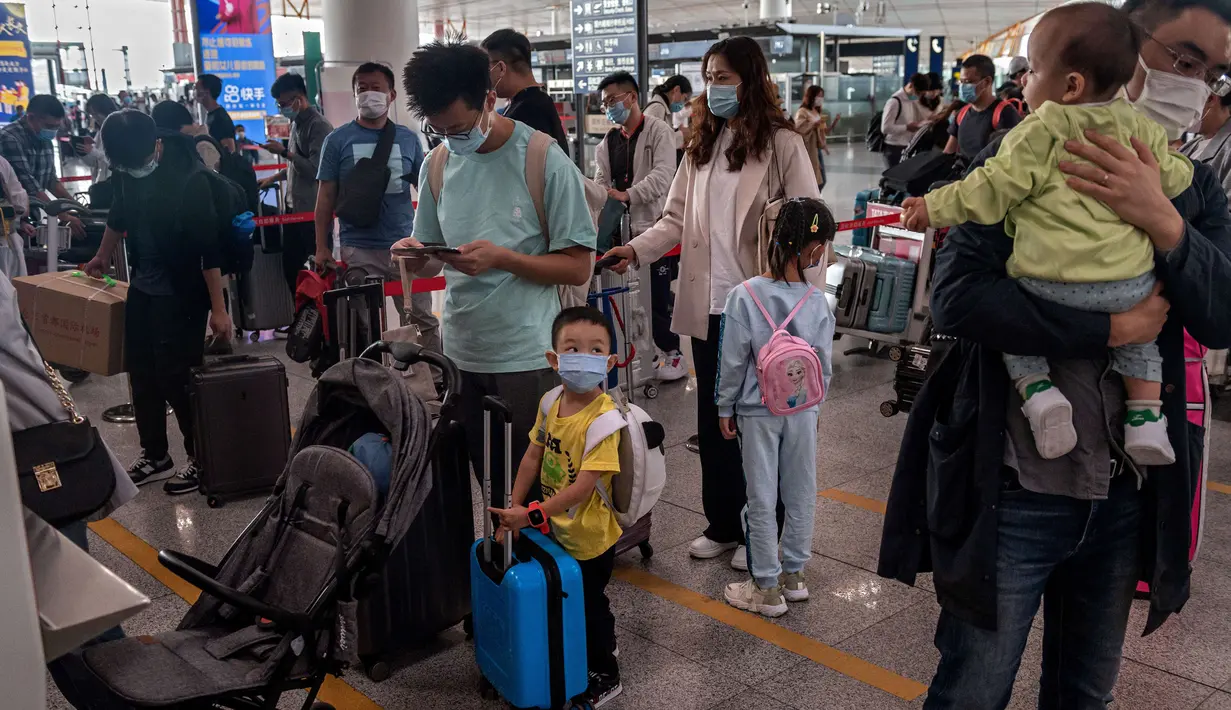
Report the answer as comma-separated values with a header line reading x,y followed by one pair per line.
x,y
361,194
63,468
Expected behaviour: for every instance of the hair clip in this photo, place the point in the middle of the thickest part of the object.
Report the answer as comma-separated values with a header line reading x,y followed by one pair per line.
x,y
816,227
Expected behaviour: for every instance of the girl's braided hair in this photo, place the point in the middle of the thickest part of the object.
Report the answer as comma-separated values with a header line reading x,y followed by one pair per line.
x,y
802,222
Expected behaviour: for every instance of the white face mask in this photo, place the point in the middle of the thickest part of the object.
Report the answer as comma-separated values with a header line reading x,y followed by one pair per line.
x,y
1175,102
372,104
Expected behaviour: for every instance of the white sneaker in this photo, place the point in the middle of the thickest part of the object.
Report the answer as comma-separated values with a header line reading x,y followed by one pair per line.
x,y
704,548
794,588
739,560
748,596
670,367
1147,443
1051,419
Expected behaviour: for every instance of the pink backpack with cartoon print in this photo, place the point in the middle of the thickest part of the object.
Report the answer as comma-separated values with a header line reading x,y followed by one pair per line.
x,y
788,368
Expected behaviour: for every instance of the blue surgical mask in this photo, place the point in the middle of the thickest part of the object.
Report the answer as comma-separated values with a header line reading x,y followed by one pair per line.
x,y
143,171
677,106
912,97
469,143
288,112
48,134
967,93
582,372
617,113
723,100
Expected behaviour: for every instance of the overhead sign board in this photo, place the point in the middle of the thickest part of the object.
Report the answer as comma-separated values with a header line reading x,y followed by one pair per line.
x,y
604,41
236,44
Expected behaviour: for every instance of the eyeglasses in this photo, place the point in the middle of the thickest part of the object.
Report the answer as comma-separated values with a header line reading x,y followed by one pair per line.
x,y
615,99
429,131
1193,68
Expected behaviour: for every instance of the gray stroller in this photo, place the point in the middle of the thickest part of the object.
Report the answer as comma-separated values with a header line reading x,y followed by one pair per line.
x,y
278,613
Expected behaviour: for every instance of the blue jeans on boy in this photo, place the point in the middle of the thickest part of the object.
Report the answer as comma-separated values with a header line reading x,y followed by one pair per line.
x,y
779,455
1080,557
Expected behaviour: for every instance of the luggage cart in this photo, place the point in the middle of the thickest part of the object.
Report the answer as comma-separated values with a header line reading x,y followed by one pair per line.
x,y
908,347
624,300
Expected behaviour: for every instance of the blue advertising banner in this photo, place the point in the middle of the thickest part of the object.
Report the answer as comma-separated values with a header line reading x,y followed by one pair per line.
x,y
236,46
910,55
16,78
936,55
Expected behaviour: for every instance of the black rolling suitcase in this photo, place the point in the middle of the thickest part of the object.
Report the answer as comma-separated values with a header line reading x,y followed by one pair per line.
x,y
908,379
241,425
265,300
424,587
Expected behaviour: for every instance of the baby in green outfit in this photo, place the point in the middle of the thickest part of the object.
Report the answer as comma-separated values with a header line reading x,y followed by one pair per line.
x,y
1067,247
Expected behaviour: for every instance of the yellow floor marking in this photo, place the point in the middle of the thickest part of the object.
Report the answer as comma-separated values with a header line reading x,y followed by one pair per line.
x,y
801,645
334,691
1220,487
872,504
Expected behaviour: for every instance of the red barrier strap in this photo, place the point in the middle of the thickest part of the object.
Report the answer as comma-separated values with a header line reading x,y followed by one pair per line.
x,y
436,283
276,219
882,221
270,166
76,178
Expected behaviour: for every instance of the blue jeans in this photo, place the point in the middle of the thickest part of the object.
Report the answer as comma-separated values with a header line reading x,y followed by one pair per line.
x,y
76,682
1081,558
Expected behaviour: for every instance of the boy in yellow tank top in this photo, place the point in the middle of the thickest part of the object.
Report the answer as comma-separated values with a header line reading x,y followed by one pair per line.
x,y
569,472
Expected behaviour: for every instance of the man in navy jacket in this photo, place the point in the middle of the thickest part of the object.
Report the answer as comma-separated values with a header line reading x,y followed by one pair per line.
x,y
972,502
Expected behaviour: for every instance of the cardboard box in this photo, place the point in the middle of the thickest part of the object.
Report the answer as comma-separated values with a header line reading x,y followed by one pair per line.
x,y
76,320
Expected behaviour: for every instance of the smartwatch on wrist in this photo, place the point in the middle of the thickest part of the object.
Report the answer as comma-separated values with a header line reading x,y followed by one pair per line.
x,y
538,519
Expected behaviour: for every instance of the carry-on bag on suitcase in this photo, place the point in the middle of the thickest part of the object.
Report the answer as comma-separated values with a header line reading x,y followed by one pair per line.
x,y
241,425
528,602
416,595
862,237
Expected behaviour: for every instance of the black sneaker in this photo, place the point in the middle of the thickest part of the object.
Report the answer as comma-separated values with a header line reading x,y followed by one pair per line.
x,y
693,444
185,480
145,470
604,687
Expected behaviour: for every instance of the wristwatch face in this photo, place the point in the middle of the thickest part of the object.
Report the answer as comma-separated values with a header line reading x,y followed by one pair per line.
x,y
536,517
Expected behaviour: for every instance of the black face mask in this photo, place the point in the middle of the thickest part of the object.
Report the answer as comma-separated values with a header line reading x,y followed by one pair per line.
x,y
930,102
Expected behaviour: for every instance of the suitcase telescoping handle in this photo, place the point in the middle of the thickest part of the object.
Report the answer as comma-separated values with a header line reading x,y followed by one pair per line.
x,y
494,407
406,354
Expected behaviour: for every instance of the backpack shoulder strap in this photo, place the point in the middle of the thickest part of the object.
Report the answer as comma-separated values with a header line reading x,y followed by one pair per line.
x,y
769,319
996,114
603,426
536,176
549,399
961,114
436,160
803,299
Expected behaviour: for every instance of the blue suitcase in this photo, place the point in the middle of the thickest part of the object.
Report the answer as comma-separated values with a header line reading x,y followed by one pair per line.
x,y
528,604
862,237
893,294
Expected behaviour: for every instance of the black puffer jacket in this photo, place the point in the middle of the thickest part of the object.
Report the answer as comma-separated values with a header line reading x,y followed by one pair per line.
x,y
940,515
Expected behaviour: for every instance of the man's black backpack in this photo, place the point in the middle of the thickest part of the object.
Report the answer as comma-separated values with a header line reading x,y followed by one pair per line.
x,y
235,225
875,138
361,193
237,169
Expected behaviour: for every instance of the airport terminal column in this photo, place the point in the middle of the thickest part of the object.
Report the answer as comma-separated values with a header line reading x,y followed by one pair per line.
x,y
358,31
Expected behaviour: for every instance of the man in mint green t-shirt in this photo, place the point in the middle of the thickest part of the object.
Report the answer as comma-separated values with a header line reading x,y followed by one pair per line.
x,y
501,291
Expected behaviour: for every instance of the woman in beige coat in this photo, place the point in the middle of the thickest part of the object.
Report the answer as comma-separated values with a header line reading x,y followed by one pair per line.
x,y
742,154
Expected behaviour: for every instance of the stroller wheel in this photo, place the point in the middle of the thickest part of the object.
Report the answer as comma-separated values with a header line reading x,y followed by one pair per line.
x,y
888,409
213,502
650,391
895,353
647,550
377,670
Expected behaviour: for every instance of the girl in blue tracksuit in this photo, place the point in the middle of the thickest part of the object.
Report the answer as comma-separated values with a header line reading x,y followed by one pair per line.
x,y
779,452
